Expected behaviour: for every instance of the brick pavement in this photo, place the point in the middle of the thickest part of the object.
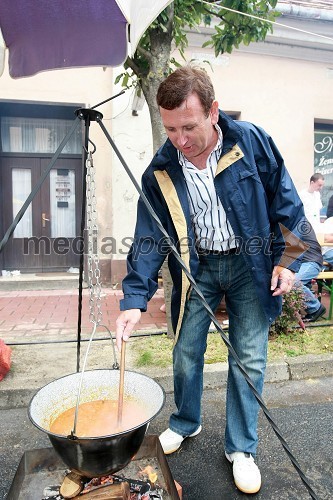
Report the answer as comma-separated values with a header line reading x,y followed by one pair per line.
x,y
47,315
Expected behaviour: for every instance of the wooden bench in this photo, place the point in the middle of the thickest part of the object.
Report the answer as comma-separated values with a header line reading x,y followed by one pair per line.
x,y
322,279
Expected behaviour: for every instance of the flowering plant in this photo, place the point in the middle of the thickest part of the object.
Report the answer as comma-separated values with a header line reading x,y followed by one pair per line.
x,y
293,303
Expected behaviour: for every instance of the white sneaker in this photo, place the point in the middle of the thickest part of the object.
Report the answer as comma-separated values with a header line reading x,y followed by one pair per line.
x,y
171,441
246,473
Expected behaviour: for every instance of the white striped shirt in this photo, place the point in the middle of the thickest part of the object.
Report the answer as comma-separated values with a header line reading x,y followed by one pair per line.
x,y
211,226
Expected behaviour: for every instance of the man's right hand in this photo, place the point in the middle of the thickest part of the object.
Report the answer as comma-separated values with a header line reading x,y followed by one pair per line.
x,y
125,323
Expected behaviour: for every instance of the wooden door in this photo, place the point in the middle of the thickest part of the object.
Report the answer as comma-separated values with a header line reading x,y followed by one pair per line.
x,y
46,239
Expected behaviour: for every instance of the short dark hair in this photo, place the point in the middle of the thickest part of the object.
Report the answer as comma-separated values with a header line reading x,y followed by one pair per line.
x,y
183,82
316,177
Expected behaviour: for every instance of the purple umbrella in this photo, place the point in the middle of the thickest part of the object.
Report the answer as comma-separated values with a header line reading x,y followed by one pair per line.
x,y
52,34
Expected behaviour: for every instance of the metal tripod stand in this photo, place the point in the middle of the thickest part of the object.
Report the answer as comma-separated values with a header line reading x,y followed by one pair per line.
x,y
88,115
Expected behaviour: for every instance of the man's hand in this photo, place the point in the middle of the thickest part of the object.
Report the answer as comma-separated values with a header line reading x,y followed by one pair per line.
x,y
282,280
125,324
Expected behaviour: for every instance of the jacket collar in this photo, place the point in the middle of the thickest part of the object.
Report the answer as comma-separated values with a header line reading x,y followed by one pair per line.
x,y
231,131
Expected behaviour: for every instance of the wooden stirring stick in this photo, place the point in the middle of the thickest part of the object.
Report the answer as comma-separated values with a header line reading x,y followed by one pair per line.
x,y
121,383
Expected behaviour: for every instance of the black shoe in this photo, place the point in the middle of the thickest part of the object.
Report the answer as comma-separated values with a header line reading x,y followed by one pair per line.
x,y
315,315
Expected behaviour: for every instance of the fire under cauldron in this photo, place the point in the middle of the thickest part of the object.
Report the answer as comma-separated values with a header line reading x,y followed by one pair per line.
x,y
102,455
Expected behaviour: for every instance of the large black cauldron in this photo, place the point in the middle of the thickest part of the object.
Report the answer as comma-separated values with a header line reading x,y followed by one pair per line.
x,y
95,456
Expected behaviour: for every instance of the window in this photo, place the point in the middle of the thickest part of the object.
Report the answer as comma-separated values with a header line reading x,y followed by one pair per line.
x,y
38,135
21,185
62,203
323,159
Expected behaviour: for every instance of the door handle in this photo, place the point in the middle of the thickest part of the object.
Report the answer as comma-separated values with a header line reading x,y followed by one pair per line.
x,y
44,219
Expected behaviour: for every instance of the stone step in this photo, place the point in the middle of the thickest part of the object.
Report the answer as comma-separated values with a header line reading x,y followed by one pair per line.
x,y
40,281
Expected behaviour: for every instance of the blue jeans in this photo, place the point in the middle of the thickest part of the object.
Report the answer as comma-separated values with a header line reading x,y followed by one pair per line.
x,y
221,275
328,256
307,271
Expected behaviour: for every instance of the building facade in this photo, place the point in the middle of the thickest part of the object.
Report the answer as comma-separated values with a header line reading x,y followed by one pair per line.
x,y
284,84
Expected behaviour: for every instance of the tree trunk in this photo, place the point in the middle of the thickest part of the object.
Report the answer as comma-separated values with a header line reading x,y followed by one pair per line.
x,y
158,70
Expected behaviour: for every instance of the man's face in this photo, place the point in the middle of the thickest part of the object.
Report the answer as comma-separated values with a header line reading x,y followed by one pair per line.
x,y
190,130
318,185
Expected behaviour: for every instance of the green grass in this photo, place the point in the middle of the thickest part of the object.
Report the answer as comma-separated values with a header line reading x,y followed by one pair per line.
x,y
317,340
156,351
152,351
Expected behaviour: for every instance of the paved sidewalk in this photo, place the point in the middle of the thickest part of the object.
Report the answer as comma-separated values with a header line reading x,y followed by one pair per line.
x,y
39,315
46,315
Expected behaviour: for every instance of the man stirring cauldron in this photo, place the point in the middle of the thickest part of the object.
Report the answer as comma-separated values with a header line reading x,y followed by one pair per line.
x,y
222,192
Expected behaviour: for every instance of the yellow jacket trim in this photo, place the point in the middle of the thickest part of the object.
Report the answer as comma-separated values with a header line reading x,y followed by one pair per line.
x,y
229,158
170,195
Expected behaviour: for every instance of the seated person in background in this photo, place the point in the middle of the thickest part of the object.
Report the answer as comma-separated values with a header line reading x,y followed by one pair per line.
x,y
325,235
329,212
311,199
311,266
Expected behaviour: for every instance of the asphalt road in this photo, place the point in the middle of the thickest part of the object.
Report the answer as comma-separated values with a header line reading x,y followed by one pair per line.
x,y
303,411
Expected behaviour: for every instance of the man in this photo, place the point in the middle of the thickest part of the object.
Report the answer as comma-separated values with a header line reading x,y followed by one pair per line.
x,y
312,264
325,235
220,189
311,199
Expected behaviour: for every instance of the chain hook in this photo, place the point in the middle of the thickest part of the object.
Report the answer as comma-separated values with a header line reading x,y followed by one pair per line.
x,y
94,146
94,284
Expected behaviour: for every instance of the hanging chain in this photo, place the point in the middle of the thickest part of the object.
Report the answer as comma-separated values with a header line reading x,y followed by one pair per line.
x,y
94,274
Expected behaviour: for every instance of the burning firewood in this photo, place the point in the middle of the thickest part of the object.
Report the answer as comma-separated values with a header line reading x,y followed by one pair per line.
x,y
116,491
71,486
110,487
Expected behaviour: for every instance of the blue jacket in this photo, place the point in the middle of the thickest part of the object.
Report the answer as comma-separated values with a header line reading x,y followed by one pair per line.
x,y
258,196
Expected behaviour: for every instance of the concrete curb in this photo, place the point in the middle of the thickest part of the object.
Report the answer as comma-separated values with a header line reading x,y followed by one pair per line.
x,y
300,368
309,366
31,370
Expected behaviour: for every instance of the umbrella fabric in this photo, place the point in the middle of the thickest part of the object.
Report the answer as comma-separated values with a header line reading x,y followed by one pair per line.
x,y
52,34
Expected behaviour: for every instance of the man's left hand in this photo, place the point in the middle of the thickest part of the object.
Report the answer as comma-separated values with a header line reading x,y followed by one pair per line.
x,y
282,280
